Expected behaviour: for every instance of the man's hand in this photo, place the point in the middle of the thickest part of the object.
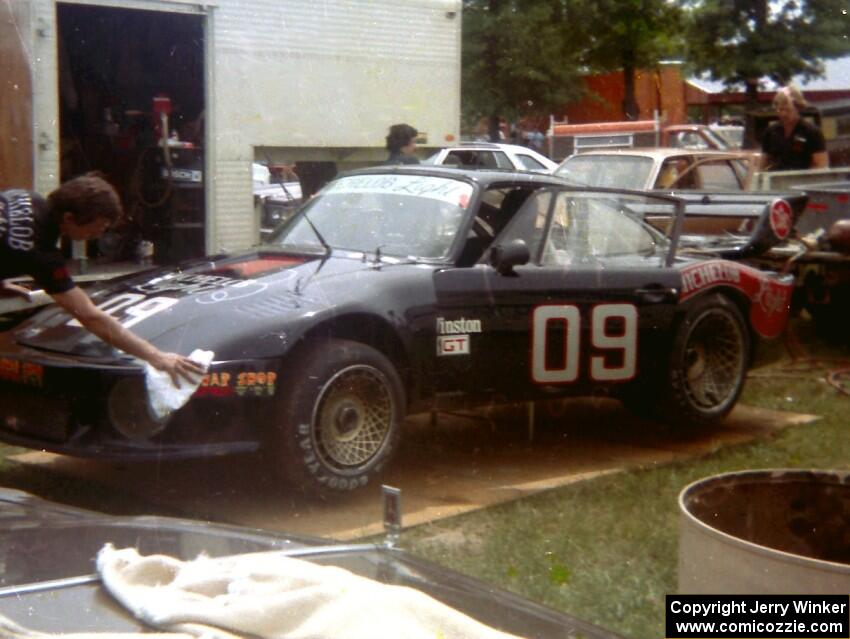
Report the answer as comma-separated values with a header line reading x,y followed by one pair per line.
x,y
177,366
8,289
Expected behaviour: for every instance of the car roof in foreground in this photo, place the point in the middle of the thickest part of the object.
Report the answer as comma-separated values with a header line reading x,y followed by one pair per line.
x,y
49,581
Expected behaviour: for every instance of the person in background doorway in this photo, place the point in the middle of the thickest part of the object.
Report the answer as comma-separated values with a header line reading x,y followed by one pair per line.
x,y
401,143
80,209
792,142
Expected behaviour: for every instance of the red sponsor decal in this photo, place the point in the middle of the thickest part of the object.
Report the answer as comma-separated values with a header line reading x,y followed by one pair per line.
x,y
259,266
215,385
781,219
60,273
26,373
770,299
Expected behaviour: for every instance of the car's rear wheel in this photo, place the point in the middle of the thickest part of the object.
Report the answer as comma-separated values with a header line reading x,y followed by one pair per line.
x,y
340,417
708,363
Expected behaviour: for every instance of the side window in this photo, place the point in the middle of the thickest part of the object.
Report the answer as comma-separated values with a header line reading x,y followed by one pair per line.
x,y
589,228
497,160
529,223
579,227
675,174
717,176
530,163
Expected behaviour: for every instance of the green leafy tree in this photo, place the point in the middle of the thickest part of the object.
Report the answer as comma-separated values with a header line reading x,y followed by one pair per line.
x,y
743,41
520,58
629,35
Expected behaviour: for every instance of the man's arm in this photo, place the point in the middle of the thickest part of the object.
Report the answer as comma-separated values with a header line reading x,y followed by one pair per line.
x,y
107,328
820,160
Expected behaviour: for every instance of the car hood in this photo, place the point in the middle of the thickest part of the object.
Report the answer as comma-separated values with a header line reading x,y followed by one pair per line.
x,y
233,305
49,584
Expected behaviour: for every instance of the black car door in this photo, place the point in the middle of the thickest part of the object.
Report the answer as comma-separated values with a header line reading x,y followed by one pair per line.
x,y
590,308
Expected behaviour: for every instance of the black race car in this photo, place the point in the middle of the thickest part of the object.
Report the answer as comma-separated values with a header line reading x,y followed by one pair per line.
x,y
401,290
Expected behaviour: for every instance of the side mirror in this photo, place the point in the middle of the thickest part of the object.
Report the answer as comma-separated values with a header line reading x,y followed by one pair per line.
x,y
504,257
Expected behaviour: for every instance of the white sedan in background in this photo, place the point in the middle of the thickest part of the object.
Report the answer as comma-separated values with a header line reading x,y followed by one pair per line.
x,y
491,155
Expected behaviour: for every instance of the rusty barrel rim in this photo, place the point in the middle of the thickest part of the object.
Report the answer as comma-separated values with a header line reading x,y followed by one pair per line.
x,y
774,475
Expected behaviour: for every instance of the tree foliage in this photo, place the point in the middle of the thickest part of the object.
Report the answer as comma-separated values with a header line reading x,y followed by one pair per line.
x,y
520,57
524,57
743,41
629,35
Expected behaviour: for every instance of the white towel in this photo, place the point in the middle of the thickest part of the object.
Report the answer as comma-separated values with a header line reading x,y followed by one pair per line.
x,y
163,396
272,596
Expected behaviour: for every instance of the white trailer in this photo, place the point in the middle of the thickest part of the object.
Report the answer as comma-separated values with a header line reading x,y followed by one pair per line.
x,y
258,80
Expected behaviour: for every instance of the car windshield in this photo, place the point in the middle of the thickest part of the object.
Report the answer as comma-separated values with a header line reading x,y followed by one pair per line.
x,y
398,215
615,171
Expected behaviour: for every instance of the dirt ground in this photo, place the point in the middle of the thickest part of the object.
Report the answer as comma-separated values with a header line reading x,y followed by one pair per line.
x,y
462,462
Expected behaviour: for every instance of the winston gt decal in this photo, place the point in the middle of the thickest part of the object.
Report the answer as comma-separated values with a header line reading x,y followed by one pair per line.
x,y
458,326
452,345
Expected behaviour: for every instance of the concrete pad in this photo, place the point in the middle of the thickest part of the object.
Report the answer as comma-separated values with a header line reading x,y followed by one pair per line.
x,y
465,461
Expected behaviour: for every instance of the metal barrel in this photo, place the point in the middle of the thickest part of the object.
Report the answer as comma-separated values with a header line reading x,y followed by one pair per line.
x,y
766,532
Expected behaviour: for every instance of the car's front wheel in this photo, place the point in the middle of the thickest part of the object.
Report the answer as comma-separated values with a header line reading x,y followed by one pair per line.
x,y
708,363
339,419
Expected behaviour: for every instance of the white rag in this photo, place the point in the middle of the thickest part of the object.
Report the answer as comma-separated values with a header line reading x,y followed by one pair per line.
x,y
163,396
272,596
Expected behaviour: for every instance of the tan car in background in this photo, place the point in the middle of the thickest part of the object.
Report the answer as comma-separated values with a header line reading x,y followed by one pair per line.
x,y
668,170
665,169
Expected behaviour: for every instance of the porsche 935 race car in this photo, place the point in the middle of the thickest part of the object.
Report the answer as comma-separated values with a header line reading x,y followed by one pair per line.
x,y
400,290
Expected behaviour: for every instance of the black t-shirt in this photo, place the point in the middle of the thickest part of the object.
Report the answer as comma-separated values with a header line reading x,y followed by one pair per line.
x,y
28,241
401,158
794,152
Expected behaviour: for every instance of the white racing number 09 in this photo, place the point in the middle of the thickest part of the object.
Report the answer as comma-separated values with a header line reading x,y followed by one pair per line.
x,y
131,308
624,341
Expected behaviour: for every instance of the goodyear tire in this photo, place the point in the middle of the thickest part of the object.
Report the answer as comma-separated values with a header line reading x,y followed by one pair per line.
x,y
340,418
708,363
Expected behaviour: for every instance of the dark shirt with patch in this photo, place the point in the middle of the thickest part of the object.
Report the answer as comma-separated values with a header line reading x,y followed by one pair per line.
x,y
397,157
28,239
794,152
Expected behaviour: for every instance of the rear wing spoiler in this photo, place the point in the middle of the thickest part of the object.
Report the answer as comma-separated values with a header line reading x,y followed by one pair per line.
x,y
731,225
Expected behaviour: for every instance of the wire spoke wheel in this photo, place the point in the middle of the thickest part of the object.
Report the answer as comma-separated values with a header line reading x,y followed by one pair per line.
x,y
353,417
714,359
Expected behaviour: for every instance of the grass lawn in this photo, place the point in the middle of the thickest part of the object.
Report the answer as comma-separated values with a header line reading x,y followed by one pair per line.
x,y
605,550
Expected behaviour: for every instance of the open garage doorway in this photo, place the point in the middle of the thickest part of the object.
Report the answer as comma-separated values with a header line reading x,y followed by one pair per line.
x,y
131,96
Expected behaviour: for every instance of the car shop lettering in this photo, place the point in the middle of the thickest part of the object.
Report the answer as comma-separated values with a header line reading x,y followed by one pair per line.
x,y
215,385
27,373
131,308
622,340
256,383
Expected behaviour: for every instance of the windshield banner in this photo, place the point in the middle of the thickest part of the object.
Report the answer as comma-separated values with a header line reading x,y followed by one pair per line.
x,y
435,188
